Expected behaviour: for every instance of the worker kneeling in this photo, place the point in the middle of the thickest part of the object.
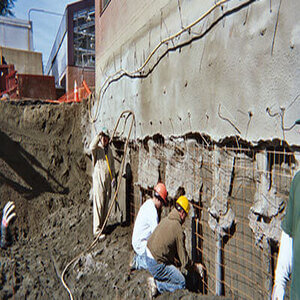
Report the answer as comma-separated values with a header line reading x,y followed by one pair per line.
x,y
166,243
145,223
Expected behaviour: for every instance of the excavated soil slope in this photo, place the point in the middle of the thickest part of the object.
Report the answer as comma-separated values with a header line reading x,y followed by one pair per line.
x,y
43,170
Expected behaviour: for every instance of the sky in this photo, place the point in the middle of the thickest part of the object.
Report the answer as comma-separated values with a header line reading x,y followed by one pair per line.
x,y
45,25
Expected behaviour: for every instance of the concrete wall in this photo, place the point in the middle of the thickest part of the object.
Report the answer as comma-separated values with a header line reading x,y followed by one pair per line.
x,y
16,33
234,73
26,62
239,193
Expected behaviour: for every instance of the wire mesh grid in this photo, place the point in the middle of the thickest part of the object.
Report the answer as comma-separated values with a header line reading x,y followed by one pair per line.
x,y
254,186
238,196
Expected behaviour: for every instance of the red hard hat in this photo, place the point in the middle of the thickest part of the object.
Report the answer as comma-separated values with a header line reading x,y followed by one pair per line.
x,y
161,190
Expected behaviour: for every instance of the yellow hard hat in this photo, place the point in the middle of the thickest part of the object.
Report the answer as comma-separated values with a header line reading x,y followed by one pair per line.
x,y
184,203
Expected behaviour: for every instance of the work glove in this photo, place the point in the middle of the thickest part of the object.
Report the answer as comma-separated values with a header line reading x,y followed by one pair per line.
x,y
284,266
114,183
8,215
199,268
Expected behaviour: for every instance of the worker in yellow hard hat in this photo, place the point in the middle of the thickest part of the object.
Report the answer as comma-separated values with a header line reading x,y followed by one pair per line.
x,y
182,203
167,242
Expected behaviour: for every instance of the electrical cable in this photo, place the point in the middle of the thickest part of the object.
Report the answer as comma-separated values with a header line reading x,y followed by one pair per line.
x,y
139,70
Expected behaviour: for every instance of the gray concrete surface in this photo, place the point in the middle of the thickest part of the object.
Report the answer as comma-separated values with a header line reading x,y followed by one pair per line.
x,y
220,78
26,62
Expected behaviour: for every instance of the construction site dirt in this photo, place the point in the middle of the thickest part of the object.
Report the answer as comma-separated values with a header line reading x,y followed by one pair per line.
x,y
43,170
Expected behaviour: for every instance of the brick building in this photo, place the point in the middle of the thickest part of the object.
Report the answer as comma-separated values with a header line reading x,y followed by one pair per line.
x,y
73,53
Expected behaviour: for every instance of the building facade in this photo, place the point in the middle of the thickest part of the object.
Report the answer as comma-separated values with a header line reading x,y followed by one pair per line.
x,y
73,53
16,46
16,33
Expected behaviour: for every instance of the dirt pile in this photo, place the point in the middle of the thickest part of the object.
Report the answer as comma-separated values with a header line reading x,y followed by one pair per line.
x,y
43,170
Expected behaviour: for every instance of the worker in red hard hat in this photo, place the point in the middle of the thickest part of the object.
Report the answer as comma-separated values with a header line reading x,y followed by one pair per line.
x,y
145,223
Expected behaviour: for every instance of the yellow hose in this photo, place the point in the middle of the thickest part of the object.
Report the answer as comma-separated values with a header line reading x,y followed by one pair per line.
x,y
111,177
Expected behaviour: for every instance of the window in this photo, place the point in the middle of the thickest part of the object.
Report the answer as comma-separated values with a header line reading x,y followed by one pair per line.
x,y
84,37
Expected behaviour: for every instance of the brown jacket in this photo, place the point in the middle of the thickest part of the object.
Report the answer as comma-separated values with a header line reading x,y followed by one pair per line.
x,y
167,241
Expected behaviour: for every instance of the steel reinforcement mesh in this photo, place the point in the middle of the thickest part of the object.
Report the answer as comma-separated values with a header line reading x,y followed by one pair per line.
x,y
238,198
247,245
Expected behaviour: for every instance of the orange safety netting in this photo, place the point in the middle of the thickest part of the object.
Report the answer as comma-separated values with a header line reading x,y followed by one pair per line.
x,y
75,95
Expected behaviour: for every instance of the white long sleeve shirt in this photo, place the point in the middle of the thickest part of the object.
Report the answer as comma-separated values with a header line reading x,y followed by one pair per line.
x,y
145,223
284,266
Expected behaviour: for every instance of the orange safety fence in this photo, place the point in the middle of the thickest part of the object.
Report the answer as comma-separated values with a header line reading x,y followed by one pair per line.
x,y
75,95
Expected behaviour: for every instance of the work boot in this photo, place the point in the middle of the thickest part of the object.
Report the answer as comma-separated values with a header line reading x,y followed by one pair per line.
x,y
132,264
200,269
101,237
152,288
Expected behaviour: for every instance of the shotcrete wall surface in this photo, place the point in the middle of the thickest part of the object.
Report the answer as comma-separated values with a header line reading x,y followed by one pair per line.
x,y
215,101
236,72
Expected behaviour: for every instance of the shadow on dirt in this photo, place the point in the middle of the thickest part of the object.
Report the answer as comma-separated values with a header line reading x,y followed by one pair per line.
x,y
28,168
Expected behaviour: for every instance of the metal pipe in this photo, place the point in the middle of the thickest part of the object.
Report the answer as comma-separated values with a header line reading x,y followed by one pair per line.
x,y
141,197
9,22
219,264
44,11
30,26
